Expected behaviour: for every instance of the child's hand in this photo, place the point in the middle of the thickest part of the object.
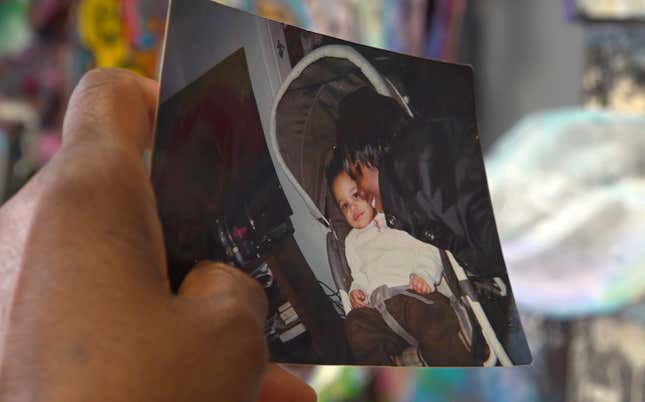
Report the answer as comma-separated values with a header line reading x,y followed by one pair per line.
x,y
419,285
357,298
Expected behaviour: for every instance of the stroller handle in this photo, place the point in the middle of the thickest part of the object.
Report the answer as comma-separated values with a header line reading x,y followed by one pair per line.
x,y
380,84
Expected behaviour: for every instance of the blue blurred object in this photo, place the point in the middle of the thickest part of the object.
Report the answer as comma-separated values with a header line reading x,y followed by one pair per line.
x,y
568,189
296,10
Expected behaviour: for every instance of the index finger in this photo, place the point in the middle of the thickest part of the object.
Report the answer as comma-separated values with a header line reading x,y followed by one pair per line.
x,y
102,107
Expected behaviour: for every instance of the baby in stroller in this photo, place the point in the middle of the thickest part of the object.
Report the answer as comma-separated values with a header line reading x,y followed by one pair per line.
x,y
393,297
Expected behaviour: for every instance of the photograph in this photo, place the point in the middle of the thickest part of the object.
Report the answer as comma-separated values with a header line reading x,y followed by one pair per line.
x,y
347,180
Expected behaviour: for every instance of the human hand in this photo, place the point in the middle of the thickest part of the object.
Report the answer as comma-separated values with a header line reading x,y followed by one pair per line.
x,y
357,298
92,317
419,285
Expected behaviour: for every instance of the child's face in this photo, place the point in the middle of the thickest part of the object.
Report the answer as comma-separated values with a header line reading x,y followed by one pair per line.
x,y
357,212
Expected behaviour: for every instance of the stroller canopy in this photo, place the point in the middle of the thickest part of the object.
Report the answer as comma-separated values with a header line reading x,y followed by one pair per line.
x,y
303,121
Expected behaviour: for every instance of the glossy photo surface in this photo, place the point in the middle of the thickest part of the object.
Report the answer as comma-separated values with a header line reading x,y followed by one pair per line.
x,y
347,180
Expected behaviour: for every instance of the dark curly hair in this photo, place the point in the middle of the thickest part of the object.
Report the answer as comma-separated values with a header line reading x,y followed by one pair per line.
x,y
367,125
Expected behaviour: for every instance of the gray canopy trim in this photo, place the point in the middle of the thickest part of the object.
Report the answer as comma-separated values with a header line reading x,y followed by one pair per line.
x,y
304,115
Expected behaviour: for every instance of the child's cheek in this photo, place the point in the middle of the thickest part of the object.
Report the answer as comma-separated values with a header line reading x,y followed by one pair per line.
x,y
348,217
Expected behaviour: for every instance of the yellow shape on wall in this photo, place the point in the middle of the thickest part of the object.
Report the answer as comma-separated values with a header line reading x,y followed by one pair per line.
x,y
101,31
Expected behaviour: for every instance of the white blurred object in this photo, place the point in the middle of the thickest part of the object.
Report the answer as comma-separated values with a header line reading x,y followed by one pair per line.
x,y
568,189
612,8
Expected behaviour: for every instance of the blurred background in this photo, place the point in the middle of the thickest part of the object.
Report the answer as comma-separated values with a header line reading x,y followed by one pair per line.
x,y
560,88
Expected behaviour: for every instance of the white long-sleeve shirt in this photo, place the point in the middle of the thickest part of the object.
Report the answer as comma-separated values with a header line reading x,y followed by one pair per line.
x,y
378,255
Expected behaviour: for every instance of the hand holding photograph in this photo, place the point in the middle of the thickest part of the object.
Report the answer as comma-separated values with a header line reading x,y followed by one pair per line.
x,y
347,180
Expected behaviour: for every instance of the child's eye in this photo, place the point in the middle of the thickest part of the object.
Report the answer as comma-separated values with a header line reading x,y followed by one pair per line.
x,y
343,206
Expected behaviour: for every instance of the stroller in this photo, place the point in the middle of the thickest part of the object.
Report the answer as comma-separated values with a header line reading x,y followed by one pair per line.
x,y
302,136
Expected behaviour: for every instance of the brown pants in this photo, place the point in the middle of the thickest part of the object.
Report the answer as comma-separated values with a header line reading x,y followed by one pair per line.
x,y
434,326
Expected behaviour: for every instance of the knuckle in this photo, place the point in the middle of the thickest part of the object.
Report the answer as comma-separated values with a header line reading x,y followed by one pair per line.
x,y
95,78
97,74
116,81
105,75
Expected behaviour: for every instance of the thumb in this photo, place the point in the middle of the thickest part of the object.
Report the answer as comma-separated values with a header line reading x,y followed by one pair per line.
x,y
226,313
209,282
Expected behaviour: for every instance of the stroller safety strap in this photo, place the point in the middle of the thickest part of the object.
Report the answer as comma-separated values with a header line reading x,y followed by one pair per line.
x,y
377,301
